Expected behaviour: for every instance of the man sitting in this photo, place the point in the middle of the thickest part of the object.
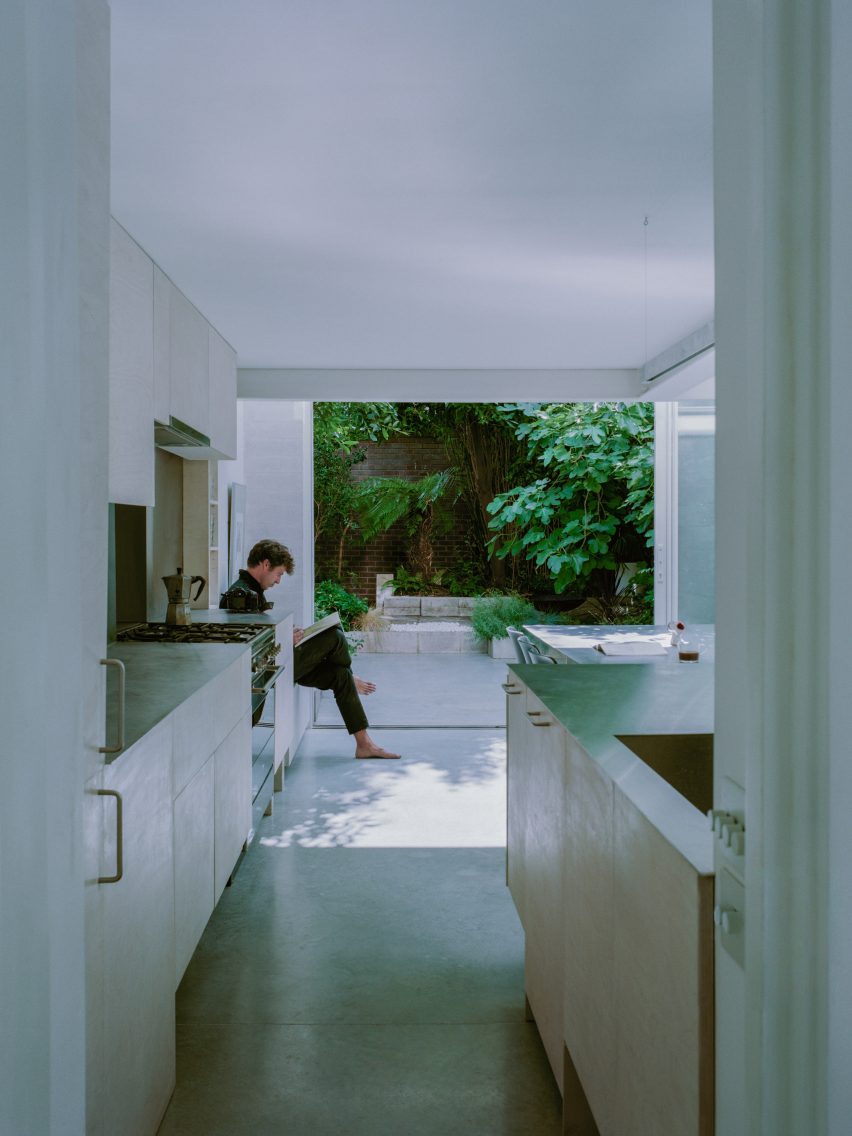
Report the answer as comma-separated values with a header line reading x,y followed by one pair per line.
x,y
323,662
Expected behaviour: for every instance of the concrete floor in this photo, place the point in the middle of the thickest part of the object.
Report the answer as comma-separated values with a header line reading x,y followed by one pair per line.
x,y
364,973
427,690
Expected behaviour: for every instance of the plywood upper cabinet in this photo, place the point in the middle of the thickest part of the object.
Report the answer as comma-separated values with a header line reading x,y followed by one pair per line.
x,y
223,395
131,371
166,361
189,363
162,346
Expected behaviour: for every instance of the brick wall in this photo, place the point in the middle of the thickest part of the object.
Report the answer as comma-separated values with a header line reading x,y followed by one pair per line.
x,y
408,458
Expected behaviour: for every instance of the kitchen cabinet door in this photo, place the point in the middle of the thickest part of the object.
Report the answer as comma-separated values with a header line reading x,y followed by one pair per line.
x,y
138,956
162,346
517,791
94,824
663,983
194,843
189,363
223,395
131,372
544,757
205,719
589,1011
232,801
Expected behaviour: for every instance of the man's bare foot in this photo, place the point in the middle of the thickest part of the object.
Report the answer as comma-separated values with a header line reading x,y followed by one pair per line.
x,y
365,747
363,686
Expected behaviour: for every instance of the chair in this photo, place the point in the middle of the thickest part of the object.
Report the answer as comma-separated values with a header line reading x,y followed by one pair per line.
x,y
524,644
516,637
537,656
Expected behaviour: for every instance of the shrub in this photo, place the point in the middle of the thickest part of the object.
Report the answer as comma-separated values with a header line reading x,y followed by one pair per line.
x,y
491,615
330,596
591,508
408,583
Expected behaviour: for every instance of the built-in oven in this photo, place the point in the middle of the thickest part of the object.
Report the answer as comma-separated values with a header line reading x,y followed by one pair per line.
x,y
265,673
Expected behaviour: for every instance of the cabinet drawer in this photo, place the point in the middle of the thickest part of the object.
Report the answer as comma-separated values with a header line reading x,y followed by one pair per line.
x,y
232,801
193,829
205,720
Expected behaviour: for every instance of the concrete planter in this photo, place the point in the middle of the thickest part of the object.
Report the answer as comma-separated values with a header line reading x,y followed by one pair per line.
x,y
502,649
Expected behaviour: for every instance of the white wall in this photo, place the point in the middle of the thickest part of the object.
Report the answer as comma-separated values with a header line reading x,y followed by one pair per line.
x,y
54,155
275,462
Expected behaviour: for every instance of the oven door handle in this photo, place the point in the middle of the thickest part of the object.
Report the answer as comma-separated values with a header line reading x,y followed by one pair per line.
x,y
270,682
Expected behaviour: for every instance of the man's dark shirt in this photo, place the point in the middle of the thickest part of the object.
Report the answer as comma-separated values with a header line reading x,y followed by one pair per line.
x,y
246,584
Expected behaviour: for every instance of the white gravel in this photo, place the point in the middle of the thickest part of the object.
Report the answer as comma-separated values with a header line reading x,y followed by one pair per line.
x,y
428,625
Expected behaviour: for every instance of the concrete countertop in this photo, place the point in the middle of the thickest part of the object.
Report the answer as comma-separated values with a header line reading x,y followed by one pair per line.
x,y
594,705
219,615
577,644
159,677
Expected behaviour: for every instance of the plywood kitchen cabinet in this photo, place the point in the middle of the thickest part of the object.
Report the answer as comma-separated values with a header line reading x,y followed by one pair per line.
x,y
222,394
189,363
542,788
131,371
618,928
662,983
194,850
162,345
232,801
166,361
185,788
136,952
207,810
588,1008
517,792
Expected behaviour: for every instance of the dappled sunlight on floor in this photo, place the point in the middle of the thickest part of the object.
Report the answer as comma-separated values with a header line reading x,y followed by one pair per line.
x,y
416,803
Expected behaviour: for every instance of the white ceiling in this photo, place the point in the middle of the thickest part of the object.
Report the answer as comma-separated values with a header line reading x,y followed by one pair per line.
x,y
422,183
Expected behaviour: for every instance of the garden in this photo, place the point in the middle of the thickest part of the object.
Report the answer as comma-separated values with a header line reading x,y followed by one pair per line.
x,y
525,512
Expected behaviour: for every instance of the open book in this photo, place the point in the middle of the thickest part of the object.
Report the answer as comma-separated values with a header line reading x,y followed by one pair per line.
x,y
631,647
331,620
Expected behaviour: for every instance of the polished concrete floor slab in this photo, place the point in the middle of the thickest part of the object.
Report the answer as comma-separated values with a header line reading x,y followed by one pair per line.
x,y
428,690
461,1080
364,973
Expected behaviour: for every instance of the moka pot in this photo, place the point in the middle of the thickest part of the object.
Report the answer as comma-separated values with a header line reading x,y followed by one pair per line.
x,y
179,588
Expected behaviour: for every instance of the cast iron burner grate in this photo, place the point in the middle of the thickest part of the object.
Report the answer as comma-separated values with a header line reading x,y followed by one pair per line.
x,y
191,633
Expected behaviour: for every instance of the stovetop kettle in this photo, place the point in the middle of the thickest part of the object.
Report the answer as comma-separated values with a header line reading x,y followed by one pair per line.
x,y
179,588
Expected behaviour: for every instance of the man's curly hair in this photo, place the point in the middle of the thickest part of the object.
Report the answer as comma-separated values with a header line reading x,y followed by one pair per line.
x,y
272,551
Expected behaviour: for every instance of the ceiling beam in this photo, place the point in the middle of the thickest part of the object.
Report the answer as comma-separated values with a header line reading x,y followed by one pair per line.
x,y
423,385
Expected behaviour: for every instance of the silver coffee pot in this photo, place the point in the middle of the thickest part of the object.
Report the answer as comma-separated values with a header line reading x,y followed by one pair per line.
x,y
179,588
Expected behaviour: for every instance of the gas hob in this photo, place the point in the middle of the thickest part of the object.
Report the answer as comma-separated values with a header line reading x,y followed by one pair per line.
x,y
193,633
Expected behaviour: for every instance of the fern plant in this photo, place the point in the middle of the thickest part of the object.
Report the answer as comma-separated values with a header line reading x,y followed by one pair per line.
x,y
419,506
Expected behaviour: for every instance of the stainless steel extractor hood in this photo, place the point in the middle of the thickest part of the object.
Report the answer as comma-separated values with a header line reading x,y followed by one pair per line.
x,y
178,434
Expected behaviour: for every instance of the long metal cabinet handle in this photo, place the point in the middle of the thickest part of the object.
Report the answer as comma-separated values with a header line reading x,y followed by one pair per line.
x,y
510,689
121,688
119,837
